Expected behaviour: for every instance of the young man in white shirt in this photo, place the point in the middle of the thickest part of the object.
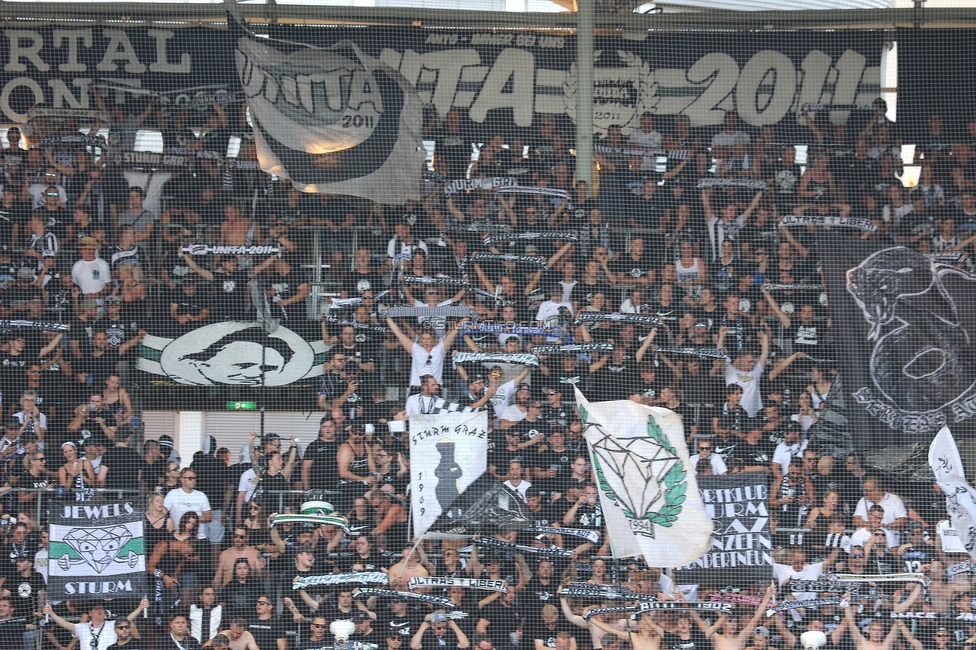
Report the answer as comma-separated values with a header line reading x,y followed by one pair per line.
x,y
188,498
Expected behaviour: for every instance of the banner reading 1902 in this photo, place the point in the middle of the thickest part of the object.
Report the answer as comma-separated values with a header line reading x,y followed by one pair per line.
x,y
514,76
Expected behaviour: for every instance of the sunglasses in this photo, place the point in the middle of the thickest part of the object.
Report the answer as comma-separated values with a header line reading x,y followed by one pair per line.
x,y
121,627
263,602
318,625
704,449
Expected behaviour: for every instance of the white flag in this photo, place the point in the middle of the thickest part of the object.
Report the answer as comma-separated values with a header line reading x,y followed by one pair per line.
x,y
448,452
648,493
960,496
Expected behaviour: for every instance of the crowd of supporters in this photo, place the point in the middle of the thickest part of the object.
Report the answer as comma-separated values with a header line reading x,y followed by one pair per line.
x,y
105,250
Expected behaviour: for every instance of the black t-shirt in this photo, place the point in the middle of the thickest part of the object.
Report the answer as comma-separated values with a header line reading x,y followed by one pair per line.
x,y
12,633
632,268
402,626
324,472
582,293
133,644
266,633
23,591
536,595
454,151
536,629
356,283
99,368
504,620
229,292
123,466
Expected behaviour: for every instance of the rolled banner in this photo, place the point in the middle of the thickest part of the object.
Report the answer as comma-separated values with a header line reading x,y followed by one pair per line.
x,y
886,577
798,604
203,249
41,325
501,238
531,260
522,358
426,279
601,592
447,311
468,583
436,601
361,578
617,317
366,327
822,220
573,348
733,182
518,548
585,533
695,351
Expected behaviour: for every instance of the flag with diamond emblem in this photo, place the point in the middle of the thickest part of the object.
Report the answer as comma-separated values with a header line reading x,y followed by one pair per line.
x,y
647,486
96,551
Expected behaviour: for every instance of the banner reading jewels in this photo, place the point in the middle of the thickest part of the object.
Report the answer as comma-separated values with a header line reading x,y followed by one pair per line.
x,y
96,552
741,545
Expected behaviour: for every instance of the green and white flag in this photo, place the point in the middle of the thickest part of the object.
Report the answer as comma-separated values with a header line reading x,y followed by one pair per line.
x,y
96,552
648,493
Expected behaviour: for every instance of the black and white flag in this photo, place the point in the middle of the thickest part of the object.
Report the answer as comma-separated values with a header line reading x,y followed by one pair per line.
x,y
331,120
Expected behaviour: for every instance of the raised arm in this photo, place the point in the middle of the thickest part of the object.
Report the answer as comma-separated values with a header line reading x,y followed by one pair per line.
x,y
196,268
609,629
773,305
646,345
400,336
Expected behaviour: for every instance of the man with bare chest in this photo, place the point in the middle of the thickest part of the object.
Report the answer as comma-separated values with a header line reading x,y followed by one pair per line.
x,y
401,572
238,638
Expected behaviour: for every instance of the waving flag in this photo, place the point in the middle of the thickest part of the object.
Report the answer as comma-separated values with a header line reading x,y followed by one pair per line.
x,y
332,120
960,496
648,491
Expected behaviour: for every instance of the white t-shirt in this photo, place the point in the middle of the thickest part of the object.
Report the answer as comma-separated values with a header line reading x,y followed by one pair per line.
x,y
862,535
548,309
179,503
784,454
522,488
718,465
91,276
513,414
751,397
503,396
894,508
427,363
106,635
724,139
784,572
248,483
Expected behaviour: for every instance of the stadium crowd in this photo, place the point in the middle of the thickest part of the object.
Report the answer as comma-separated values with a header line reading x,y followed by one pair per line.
x,y
738,341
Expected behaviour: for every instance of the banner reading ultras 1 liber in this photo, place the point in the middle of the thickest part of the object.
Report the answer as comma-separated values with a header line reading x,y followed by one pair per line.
x,y
741,543
519,76
96,551
58,67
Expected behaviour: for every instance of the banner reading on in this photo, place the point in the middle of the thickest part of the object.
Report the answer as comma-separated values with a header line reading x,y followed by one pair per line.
x,y
448,452
741,546
96,551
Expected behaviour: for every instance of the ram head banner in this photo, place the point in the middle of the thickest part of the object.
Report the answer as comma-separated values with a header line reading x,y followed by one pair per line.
x,y
96,552
908,341
332,120
448,452
648,491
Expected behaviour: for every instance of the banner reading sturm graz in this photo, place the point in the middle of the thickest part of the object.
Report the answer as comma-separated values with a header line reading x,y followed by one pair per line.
x,y
741,546
96,551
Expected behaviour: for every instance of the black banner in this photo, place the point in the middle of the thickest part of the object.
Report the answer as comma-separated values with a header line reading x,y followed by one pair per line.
x,y
57,67
741,545
930,80
496,77
505,77
908,357
486,507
